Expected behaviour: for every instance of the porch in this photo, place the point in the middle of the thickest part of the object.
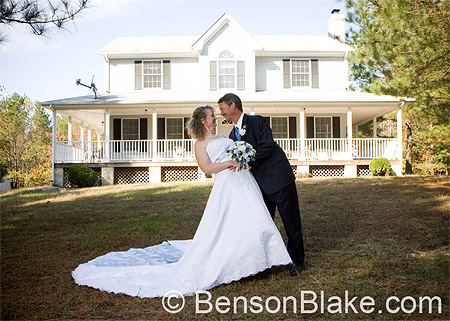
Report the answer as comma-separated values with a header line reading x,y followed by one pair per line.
x,y
182,150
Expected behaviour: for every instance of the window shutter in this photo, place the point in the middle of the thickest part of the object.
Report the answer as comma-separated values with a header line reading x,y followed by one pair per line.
x,y
186,135
161,128
292,127
143,128
240,75
336,127
138,75
166,74
286,73
309,127
117,133
213,75
315,73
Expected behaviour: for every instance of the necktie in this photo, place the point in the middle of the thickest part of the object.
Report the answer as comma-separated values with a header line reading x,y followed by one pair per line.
x,y
237,134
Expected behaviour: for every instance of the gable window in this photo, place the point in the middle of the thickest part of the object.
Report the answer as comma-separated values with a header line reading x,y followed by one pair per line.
x,y
227,70
323,127
130,129
174,128
279,127
227,73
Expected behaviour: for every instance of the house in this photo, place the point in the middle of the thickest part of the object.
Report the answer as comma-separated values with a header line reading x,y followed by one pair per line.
x,y
300,84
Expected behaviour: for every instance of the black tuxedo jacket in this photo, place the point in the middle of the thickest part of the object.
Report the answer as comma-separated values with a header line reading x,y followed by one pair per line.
x,y
271,167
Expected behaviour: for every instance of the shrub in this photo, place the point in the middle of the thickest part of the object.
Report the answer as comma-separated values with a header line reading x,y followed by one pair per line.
x,y
82,176
380,167
303,175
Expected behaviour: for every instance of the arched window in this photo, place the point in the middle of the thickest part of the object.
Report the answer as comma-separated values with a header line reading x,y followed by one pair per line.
x,y
227,70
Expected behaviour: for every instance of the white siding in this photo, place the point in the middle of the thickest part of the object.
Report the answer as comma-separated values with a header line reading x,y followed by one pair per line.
x,y
121,76
269,73
185,74
333,74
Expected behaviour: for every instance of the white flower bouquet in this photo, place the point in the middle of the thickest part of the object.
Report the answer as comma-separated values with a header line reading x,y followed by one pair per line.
x,y
242,153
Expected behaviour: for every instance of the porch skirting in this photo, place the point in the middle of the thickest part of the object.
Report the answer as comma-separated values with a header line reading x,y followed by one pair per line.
x,y
145,173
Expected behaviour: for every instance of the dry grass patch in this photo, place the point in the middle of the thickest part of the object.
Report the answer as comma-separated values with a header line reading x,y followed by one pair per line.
x,y
376,237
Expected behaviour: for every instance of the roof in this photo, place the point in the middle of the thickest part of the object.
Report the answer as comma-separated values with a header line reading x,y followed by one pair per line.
x,y
299,97
149,45
190,45
301,43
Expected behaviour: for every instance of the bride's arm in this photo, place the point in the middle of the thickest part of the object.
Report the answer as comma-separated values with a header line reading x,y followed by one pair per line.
x,y
206,166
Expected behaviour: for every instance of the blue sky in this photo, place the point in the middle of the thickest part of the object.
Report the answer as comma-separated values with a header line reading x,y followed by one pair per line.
x,y
46,68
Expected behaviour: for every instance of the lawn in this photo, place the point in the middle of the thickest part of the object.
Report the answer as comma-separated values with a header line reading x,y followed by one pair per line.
x,y
377,237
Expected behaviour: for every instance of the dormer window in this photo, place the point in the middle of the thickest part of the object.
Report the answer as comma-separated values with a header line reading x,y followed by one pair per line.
x,y
227,73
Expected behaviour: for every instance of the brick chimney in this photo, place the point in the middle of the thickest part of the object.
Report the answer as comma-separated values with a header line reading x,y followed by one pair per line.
x,y
336,26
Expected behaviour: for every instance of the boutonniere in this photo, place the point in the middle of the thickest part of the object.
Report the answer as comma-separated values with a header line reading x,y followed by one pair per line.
x,y
243,130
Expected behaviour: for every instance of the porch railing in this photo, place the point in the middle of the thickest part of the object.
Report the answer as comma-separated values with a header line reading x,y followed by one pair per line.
x,y
183,149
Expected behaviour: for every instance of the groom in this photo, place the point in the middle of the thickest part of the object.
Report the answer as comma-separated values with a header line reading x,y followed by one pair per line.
x,y
272,171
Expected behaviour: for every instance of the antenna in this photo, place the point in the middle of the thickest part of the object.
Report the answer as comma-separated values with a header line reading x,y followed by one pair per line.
x,y
91,87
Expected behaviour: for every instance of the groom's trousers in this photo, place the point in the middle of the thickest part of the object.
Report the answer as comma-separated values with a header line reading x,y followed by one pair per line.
x,y
286,200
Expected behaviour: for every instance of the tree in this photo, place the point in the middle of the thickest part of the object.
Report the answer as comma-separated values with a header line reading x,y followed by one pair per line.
x,y
38,17
402,49
25,141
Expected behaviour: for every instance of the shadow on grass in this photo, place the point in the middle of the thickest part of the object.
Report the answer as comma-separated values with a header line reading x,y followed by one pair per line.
x,y
377,237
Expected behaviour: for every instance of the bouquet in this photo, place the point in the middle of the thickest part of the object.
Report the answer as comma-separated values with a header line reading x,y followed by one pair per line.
x,y
242,153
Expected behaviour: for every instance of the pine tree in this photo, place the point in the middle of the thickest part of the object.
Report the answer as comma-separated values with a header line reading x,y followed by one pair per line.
x,y
402,49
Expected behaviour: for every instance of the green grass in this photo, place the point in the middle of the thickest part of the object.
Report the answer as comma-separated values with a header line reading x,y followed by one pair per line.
x,y
373,237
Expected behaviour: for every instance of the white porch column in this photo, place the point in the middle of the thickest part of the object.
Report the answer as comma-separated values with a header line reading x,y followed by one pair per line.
x,y
155,134
69,129
356,131
106,131
302,133
69,138
89,142
252,111
349,131
99,146
374,125
83,148
400,140
53,143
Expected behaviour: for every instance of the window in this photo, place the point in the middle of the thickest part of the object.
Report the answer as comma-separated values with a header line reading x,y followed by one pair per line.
x,y
130,129
323,127
152,74
227,70
279,127
174,128
300,73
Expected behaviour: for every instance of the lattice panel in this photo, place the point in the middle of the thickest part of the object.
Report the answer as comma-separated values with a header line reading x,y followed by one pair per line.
x,y
294,169
363,170
131,175
179,173
97,170
327,170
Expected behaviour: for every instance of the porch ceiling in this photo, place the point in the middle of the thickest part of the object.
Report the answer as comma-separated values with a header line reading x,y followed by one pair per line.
x,y
365,106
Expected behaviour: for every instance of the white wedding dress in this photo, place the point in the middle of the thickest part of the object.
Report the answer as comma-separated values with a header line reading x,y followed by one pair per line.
x,y
236,238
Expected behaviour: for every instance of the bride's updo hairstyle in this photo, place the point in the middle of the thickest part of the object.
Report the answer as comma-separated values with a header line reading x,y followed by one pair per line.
x,y
195,127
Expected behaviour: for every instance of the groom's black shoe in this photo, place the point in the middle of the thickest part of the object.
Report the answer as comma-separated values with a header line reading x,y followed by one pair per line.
x,y
295,268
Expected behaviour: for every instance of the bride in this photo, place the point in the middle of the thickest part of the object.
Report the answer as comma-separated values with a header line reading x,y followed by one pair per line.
x,y
236,236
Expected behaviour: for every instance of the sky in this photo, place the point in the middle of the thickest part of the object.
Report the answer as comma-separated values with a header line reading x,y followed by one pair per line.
x,y
46,68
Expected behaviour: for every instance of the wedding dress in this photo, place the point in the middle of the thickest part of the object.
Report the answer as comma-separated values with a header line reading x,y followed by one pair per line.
x,y
236,238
